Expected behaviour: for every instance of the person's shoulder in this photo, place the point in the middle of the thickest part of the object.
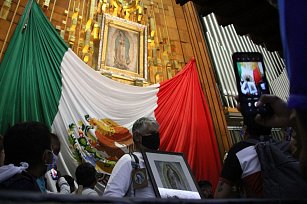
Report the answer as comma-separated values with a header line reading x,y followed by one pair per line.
x,y
22,181
89,192
124,160
239,146
125,157
130,156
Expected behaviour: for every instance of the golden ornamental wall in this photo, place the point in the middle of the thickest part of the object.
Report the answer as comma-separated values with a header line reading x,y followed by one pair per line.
x,y
173,36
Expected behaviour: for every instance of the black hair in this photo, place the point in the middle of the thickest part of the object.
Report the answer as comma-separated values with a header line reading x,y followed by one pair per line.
x,y
204,184
71,182
26,142
206,188
141,125
254,129
86,175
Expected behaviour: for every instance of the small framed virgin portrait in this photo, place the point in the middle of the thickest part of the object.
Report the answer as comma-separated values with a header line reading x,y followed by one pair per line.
x,y
170,175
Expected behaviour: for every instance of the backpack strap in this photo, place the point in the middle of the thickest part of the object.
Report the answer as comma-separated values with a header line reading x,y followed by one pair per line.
x,y
282,145
135,163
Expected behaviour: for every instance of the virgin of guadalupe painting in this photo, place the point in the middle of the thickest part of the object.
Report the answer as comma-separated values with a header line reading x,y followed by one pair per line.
x,y
172,176
122,49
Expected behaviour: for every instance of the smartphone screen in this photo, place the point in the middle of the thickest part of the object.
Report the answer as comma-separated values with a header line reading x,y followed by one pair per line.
x,y
251,81
54,174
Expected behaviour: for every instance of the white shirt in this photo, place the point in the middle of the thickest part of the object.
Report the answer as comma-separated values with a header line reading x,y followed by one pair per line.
x,y
8,171
86,191
51,184
120,179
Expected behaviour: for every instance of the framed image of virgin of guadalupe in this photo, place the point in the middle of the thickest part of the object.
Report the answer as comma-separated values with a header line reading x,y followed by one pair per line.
x,y
170,175
123,48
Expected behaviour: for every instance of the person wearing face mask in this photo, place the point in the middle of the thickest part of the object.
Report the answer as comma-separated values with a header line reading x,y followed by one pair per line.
x,y
48,183
52,174
129,177
27,149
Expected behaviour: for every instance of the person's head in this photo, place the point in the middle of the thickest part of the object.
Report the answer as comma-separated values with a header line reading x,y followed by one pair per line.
x,y
206,188
254,130
28,142
55,144
71,182
145,133
86,175
247,78
55,147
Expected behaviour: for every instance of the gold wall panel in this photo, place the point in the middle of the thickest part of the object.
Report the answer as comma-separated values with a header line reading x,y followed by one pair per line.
x,y
174,36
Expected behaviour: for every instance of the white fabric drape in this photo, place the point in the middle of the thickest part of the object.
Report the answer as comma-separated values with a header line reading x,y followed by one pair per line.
x,y
86,92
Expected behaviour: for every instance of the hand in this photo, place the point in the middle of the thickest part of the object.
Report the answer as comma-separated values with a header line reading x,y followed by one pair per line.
x,y
238,103
59,174
281,116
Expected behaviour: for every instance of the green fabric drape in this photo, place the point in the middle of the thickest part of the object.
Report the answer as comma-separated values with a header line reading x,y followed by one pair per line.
x,y
30,73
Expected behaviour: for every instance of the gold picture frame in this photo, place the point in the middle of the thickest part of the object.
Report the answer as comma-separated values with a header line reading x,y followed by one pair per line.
x,y
123,49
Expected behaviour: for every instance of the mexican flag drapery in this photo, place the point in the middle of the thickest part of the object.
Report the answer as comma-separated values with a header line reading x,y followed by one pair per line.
x,y
41,79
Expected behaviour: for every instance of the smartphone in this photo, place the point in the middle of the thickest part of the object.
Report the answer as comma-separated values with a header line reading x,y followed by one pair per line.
x,y
251,82
54,174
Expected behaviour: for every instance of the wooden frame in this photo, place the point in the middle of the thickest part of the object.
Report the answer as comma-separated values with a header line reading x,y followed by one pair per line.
x,y
171,175
123,48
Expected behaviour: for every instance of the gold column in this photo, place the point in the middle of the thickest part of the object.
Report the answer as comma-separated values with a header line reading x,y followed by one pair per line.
x,y
206,76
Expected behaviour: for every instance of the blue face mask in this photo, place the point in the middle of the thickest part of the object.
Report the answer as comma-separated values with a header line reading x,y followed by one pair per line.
x,y
41,183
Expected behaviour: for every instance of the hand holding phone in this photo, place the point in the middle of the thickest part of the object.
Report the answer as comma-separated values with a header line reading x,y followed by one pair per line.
x,y
251,82
280,115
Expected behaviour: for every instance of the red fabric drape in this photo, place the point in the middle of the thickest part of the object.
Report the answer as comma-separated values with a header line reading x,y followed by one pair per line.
x,y
257,75
186,124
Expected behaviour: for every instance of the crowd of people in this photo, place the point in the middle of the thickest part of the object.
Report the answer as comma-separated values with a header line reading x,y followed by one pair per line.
x,y
31,167
242,164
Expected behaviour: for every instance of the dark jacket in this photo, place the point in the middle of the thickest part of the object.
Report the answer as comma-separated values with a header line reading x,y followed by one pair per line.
x,y
20,182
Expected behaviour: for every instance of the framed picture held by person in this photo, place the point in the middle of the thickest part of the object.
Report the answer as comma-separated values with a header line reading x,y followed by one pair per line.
x,y
171,175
